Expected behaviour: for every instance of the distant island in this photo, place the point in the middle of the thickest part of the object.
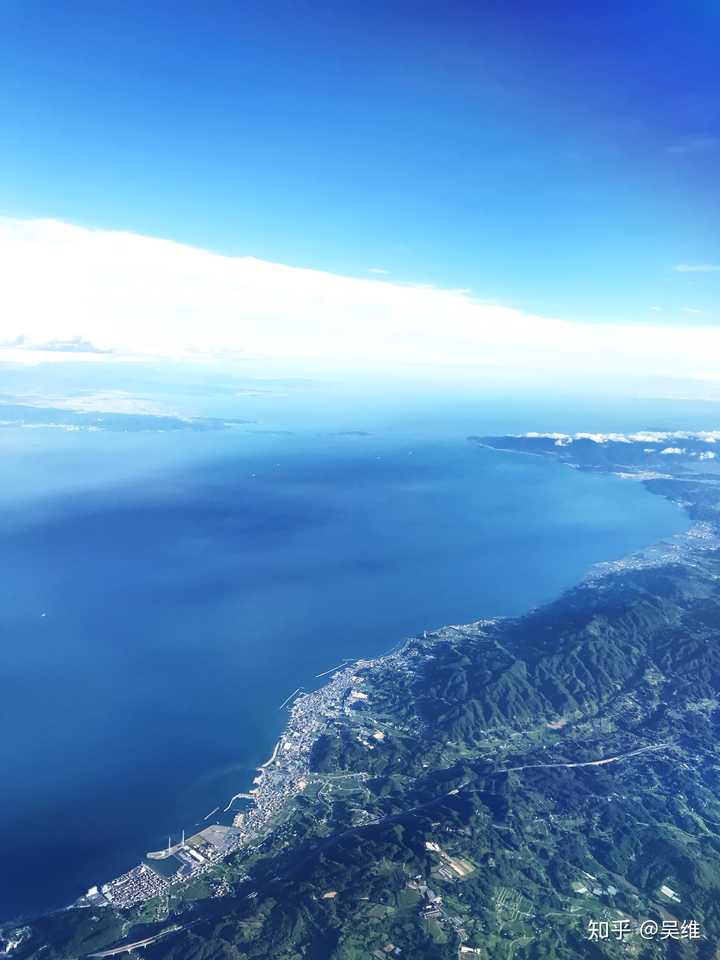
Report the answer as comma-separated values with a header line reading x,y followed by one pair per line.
x,y
51,414
537,787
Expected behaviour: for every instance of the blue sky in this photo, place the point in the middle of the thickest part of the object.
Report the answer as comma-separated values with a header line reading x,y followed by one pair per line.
x,y
558,157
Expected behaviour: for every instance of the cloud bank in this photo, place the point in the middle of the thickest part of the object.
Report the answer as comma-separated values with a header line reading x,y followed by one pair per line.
x,y
697,268
95,291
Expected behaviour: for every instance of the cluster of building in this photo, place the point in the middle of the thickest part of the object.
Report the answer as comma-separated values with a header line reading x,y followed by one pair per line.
x,y
283,776
450,868
365,736
430,907
389,950
431,904
287,772
701,536
189,858
140,883
10,940
206,847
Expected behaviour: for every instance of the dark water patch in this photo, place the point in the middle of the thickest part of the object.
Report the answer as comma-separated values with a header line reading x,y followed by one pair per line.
x,y
180,611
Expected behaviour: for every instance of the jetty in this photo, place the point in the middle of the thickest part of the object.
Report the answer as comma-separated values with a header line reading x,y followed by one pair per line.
x,y
288,699
332,669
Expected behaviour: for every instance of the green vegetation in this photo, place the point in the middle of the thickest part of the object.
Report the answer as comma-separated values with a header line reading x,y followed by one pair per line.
x,y
529,776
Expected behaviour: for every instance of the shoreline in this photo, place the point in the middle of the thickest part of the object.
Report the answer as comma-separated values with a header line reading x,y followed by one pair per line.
x,y
283,775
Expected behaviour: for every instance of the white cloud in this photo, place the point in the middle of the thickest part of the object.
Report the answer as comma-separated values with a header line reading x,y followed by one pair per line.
x,y
142,297
697,268
690,310
694,145
644,436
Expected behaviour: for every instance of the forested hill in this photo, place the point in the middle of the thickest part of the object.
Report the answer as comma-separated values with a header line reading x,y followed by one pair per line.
x,y
504,789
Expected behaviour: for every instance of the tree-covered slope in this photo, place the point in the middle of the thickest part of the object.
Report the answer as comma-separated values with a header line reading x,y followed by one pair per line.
x,y
491,791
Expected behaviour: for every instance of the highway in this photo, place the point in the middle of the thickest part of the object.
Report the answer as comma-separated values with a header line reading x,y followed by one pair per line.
x,y
587,763
139,944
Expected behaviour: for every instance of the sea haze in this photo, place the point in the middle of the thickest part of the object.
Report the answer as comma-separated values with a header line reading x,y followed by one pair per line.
x,y
162,594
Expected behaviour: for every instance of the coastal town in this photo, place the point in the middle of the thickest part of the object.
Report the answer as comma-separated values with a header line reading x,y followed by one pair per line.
x,y
287,773
284,775
320,783
683,548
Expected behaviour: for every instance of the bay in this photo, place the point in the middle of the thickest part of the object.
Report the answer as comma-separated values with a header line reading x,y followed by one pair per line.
x,y
162,595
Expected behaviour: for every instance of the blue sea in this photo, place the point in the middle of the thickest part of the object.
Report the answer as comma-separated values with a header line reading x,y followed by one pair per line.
x,y
163,592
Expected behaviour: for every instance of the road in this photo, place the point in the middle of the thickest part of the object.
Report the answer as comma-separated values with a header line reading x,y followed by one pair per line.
x,y
139,944
315,847
588,763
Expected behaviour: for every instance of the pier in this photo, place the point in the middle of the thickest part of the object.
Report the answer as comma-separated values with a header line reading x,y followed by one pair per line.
x,y
288,699
332,669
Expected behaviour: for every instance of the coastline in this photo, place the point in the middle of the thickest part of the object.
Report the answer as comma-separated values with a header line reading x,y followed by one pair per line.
x,y
286,773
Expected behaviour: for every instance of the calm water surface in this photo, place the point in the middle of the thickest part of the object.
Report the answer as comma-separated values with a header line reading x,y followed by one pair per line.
x,y
162,594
